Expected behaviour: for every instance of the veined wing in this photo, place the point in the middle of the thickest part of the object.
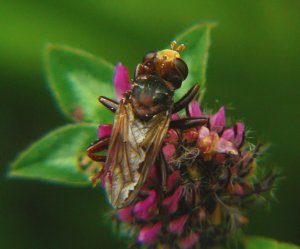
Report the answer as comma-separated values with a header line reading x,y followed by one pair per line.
x,y
133,148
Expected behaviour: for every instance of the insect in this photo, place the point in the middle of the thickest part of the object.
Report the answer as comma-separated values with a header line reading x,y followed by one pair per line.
x,y
142,119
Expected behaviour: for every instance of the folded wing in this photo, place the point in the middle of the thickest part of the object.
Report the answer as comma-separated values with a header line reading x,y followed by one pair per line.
x,y
133,148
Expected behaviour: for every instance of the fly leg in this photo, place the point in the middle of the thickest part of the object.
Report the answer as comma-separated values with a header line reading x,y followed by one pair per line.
x,y
186,123
190,122
110,104
163,165
186,99
99,145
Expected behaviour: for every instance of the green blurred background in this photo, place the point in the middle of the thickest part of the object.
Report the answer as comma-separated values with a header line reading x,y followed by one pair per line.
x,y
253,67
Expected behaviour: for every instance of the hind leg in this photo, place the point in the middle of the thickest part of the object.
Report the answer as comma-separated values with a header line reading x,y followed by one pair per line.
x,y
99,145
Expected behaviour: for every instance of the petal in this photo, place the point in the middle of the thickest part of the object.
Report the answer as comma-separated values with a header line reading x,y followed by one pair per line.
x,y
217,121
172,202
171,137
238,189
190,135
153,173
104,130
148,234
224,146
121,81
169,150
228,134
202,214
176,226
125,214
151,178
203,132
142,209
194,109
173,180
189,241
175,116
208,144
240,134
220,158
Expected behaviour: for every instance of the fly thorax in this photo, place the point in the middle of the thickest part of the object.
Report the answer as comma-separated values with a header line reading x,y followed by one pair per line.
x,y
150,95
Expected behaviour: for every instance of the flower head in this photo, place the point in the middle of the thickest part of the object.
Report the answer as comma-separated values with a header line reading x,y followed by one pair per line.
x,y
208,185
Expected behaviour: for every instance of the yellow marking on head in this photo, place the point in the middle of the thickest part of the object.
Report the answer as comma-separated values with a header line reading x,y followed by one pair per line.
x,y
167,55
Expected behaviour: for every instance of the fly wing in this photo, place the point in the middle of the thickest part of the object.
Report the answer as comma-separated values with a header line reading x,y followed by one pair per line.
x,y
133,148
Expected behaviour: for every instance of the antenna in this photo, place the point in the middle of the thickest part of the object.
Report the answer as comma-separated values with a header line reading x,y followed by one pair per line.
x,y
179,48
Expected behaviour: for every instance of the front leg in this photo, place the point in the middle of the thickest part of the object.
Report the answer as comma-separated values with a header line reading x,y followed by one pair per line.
x,y
109,103
186,99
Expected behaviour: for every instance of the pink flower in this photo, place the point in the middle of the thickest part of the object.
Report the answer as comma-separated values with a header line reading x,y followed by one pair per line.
x,y
209,169
169,150
173,179
226,147
175,116
104,130
171,137
148,234
228,134
194,109
143,209
239,134
171,203
235,134
189,241
125,214
207,141
217,121
190,135
121,81
177,225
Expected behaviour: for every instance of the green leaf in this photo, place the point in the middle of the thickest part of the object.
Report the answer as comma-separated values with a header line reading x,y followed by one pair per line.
x,y
257,242
55,157
77,79
197,41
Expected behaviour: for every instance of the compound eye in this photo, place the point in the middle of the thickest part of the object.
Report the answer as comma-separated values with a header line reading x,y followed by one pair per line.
x,y
181,66
149,56
175,79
